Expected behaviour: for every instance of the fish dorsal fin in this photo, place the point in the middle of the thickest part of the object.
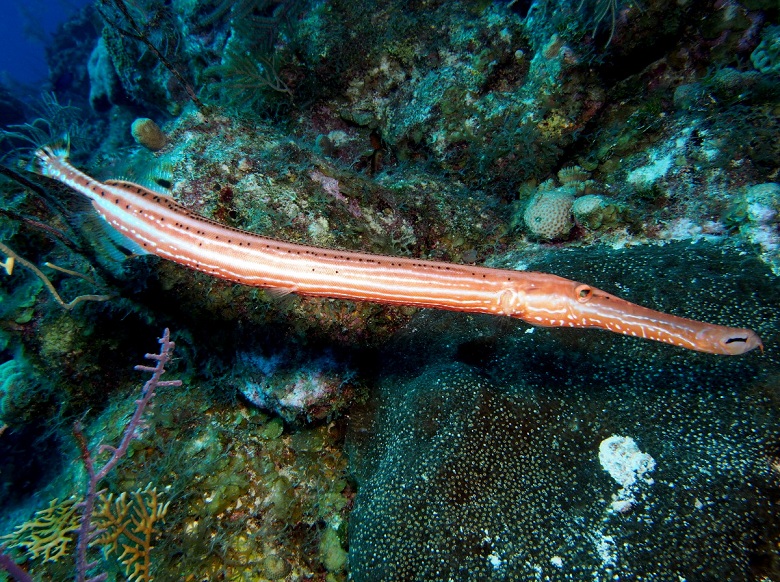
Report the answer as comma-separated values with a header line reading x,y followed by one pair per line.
x,y
136,188
60,147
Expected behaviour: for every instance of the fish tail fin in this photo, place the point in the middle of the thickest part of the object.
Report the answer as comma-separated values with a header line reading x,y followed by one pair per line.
x,y
56,150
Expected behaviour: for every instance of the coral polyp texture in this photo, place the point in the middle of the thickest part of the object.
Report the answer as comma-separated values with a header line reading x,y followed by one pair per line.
x,y
548,214
474,479
594,211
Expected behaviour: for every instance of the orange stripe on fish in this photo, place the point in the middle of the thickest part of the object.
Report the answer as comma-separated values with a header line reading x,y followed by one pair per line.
x,y
161,226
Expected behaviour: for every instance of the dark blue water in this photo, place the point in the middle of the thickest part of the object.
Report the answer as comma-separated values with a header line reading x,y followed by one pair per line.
x,y
26,26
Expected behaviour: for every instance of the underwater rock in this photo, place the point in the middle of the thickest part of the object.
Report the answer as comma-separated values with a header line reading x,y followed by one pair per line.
x,y
472,87
105,88
23,394
11,375
628,466
298,391
689,96
760,210
334,558
763,202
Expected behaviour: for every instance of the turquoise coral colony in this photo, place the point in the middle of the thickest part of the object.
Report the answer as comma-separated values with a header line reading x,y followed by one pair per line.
x,y
348,214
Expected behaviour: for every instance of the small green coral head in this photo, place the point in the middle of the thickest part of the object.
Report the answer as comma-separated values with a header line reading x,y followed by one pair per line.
x,y
593,211
766,56
333,556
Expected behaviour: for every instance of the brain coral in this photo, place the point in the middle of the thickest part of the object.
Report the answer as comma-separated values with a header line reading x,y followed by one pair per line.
x,y
548,214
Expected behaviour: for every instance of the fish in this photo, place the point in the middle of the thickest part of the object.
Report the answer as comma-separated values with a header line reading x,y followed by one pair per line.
x,y
157,224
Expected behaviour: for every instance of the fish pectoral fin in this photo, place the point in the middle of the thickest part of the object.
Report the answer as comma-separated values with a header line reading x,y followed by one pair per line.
x,y
107,239
279,292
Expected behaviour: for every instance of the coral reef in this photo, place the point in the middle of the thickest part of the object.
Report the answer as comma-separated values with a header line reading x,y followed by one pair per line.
x,y
632,145
105,88
24,395
496,486
68,56
131,521
758,216
50,531
594,211
53,530
553,210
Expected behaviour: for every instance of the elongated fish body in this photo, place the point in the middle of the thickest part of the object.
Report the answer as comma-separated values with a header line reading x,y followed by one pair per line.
x,y
161,226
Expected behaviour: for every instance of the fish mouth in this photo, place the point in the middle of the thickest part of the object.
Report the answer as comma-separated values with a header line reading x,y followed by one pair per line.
x,y
741,341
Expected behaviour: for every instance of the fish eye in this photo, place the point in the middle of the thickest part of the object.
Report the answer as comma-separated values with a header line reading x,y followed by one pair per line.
x,y
583,293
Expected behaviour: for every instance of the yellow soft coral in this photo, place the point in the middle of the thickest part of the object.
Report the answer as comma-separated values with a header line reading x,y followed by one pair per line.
x,y
131,519
49,532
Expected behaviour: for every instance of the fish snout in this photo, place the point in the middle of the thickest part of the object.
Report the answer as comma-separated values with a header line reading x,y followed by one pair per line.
x,y
732,341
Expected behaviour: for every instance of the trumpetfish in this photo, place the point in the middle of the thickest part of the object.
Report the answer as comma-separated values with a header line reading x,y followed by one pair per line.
x,y
161,226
